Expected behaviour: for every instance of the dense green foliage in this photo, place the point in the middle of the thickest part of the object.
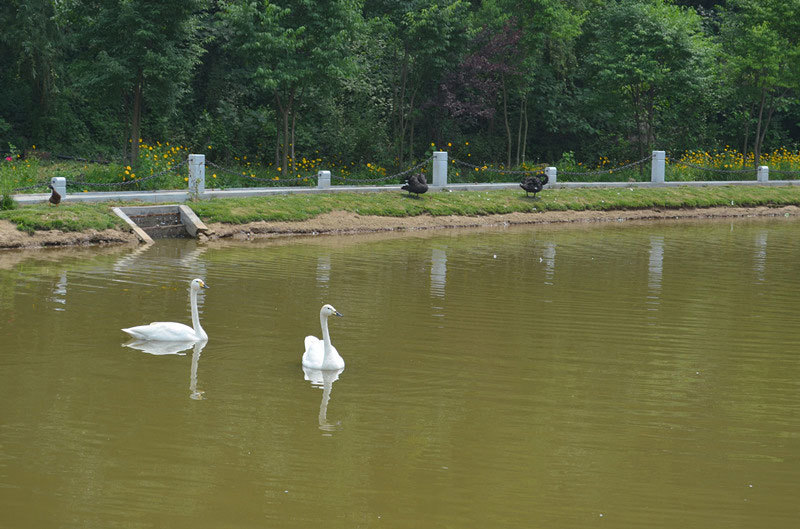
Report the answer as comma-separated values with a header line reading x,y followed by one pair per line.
x,y
387,81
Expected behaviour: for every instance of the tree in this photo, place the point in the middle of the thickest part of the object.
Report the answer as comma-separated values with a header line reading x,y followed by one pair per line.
x,y
30,55
424,41
132,47
761,43
288,47
661,58
471,92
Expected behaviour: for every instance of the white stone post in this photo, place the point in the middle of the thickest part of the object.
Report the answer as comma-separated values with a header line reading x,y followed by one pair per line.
x,y
657,167
762,175
552,174
440,168
59,183
197,175
323,179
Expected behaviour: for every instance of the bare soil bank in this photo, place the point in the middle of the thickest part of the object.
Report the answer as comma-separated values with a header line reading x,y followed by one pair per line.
x,y
341,222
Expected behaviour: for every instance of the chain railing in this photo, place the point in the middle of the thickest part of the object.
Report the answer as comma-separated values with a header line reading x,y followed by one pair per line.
x,y
133,181
783,171
608,171
106,185
294,180
382,178
674,162
500,171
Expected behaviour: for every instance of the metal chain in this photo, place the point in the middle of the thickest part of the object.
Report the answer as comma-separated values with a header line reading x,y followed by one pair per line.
x,y
28,188
538,171
383,178
501,171
79,183
78,159
257,179
780,171
712,169
608,171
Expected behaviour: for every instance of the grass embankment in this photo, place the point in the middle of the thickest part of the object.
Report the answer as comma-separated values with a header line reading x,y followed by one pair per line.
x,y
474,203
79,217
66,217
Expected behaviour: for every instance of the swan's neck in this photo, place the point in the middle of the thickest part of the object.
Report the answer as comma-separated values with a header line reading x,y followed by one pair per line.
x,y
326,337
201,334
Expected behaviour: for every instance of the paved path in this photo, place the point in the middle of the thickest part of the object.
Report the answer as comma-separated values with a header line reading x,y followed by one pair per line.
x,y
178,196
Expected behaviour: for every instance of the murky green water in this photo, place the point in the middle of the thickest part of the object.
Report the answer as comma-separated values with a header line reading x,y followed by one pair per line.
x,y
620,376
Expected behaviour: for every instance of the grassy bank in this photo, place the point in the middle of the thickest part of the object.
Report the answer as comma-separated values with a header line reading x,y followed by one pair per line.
x,y
79,217
472,203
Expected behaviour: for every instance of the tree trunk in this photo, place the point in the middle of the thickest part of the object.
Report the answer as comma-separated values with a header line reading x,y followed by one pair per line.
x,y
772,105
522,123
525,130
277,139
400,132
508,127
291,145
285,109
636,98
136,119
758,136
749,119
410,124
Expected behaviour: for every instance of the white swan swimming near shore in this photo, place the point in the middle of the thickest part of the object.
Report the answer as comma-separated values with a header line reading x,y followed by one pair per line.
x,y
168,331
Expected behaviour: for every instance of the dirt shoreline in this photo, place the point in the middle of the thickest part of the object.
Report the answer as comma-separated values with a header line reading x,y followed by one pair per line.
x,y
341,222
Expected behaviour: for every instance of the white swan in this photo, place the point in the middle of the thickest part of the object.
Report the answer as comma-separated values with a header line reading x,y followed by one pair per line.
x,y
168,331
321,354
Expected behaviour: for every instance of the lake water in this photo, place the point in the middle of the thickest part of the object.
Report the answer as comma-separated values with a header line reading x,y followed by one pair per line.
x,y
619,376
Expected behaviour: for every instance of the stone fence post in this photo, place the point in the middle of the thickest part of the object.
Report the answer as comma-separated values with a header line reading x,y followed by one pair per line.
x,y
657,167
197,175
323,179
552,174
440,168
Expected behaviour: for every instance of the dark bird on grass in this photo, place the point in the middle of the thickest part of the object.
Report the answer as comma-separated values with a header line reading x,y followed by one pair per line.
x,y
534,184
55,198
416,183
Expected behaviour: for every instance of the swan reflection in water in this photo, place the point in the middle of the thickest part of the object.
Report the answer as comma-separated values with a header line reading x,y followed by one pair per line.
x,y
324,379
176,348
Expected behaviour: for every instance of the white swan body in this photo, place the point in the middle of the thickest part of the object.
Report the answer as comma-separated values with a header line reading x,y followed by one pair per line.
x,y
168,331
321,354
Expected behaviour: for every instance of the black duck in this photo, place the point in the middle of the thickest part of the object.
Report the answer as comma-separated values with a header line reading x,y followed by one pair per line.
x,y
416,184
534,184
55,197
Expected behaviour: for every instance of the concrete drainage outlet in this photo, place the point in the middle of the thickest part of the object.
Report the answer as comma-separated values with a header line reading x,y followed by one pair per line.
x,y
162,222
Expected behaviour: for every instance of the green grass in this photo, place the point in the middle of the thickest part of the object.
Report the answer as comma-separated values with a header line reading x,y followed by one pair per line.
x,y
66,217
474,203
78,217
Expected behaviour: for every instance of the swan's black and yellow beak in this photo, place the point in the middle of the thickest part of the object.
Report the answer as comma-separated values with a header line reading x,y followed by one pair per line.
x,y
337,313
203,284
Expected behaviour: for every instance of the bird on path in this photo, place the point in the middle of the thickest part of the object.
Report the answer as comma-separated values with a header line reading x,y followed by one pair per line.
x,y
416,184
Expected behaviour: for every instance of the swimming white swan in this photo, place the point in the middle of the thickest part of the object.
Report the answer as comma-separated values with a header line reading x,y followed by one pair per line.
x,y
321,354
167,331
